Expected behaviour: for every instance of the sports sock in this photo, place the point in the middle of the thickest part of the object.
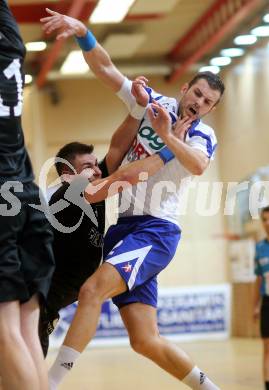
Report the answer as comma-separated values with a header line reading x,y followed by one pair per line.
x,y
62,365
197,380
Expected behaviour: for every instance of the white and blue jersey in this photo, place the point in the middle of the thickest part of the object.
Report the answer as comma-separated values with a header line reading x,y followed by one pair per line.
x,y
262,265
146,236
160,195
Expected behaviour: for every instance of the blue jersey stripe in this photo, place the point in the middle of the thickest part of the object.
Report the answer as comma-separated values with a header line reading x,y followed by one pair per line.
x,y
209,147
149,91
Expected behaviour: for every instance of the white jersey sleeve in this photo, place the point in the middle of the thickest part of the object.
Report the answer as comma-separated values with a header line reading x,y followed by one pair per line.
x,y
202,138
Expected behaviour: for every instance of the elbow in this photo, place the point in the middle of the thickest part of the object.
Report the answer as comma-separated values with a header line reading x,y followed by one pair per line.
x,y
199,169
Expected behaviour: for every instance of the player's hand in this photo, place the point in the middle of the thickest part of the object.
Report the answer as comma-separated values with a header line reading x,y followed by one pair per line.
x,y
182,126
160,120
257,312
139,92
66,25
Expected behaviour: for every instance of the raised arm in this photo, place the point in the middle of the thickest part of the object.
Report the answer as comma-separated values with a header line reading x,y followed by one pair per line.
x,y
121,142
96,57
195,161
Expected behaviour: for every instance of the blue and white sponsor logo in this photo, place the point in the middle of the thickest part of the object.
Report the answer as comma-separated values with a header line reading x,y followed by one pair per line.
x,y
183,313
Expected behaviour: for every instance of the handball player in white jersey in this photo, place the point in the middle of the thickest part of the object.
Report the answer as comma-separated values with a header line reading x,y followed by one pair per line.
x,y
145,238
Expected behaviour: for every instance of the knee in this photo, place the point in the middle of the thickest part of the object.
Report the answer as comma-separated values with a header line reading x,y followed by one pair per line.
x,y
89,294
144,346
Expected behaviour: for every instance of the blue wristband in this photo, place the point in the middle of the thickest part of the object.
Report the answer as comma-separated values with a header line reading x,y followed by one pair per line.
x,y
88,42
166,155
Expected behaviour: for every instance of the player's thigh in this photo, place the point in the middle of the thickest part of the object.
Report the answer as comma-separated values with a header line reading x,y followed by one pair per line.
x,y
140,321
9,321
12,281
266,345
35,243
29,311
105,283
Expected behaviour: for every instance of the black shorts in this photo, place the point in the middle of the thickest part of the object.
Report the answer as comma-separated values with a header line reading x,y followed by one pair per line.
x,y
26,257
264,323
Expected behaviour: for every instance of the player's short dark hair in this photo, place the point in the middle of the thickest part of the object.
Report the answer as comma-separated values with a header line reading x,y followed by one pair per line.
x,y
264,210
213,80
69,152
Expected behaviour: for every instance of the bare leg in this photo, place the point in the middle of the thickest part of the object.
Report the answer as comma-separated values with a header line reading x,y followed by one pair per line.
x,y
17,368
141,323
105,283
29,330
266,359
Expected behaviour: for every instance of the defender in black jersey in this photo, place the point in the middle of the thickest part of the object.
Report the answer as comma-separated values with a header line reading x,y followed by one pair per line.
x,y
79,253
26,259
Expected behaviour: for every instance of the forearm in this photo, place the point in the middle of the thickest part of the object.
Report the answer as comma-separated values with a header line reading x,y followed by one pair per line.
x,y
101,65
193,160
124,136
121,142
123,178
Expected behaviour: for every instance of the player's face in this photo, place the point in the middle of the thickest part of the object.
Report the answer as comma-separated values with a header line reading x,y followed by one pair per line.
x,y
88,164
198,100
265,221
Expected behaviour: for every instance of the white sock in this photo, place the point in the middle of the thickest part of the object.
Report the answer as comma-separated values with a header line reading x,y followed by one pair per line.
x,y
197,380
62,365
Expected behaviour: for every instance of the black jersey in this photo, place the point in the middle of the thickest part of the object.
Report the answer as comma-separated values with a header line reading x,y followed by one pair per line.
x,y
79,253
14,160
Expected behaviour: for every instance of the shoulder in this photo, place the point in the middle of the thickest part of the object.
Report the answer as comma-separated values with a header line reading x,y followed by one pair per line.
x,y
57,192
169,103
206,130
162,99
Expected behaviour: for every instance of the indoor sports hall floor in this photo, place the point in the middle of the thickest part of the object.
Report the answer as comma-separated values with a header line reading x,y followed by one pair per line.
x,y
234,364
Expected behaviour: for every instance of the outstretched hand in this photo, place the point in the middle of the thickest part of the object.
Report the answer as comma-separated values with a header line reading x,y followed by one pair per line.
x,y
139,92
182,126
66,25
160,120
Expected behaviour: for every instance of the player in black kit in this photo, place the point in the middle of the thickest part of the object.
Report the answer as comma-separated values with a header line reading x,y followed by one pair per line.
x,y
26,259
78,253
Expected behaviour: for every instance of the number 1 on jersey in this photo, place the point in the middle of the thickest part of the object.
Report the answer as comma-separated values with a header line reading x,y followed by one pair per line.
x,y
13,70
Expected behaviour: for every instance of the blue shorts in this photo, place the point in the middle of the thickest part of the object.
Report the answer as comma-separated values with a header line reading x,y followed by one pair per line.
x,y
140,248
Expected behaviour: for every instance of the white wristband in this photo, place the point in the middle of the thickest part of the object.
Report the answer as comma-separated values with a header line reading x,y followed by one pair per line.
x,y
127,97
138,111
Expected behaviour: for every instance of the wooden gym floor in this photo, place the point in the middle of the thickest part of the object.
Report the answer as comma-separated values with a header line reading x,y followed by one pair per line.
x,y
234,364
